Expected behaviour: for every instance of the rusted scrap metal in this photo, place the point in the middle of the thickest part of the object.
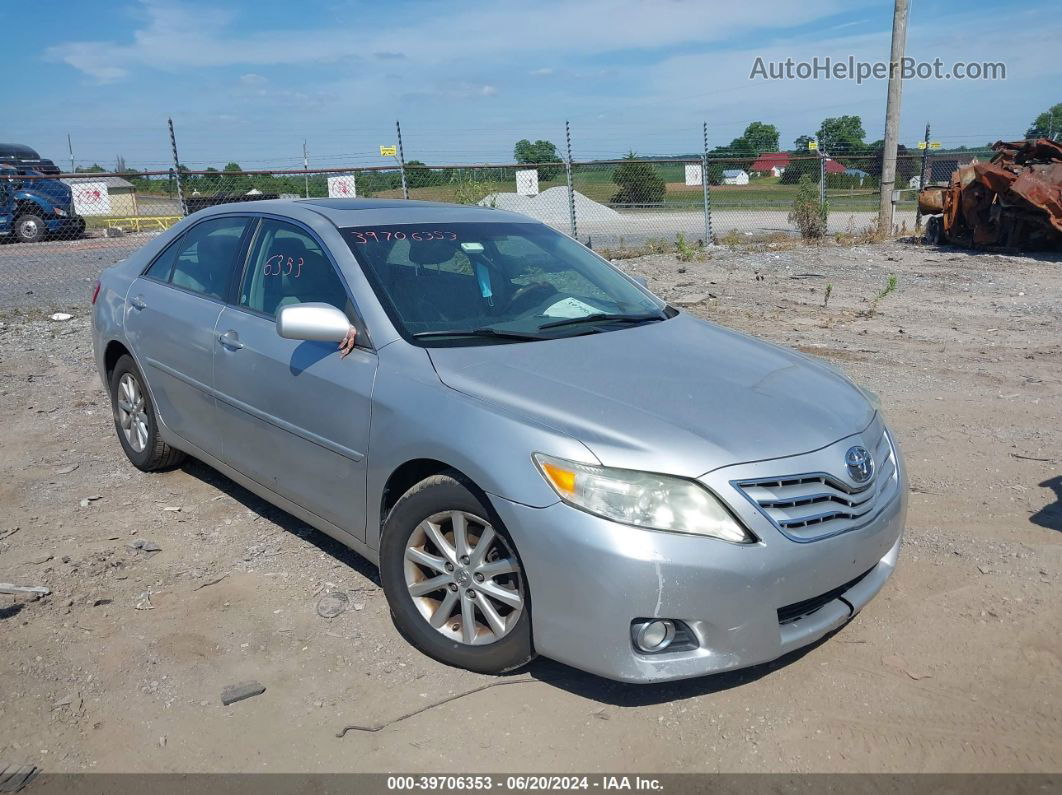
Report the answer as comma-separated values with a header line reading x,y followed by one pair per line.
x,y
1013,201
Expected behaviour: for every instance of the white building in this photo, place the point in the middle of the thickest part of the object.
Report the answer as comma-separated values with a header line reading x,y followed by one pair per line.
x,y
735,176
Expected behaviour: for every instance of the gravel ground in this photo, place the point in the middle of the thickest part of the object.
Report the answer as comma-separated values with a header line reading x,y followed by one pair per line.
x,y
167,588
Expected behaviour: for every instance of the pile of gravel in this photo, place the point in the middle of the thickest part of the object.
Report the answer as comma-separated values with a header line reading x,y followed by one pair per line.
x,y
551,206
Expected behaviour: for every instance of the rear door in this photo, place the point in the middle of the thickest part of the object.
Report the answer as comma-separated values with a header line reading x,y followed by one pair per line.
x,y
293,415
172,311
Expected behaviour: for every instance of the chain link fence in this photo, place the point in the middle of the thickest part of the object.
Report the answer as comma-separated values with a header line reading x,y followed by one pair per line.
x,y
57,232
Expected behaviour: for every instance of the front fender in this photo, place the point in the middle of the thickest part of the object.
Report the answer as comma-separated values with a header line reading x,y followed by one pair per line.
x,y
416,416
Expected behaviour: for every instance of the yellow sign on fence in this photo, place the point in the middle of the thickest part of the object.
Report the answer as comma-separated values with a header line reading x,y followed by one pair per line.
x,y
388,151
813,145
934,144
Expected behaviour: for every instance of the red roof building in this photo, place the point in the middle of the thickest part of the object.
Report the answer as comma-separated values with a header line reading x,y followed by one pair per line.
x,y
769,160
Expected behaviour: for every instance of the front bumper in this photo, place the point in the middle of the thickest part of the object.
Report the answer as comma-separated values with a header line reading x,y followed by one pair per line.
x,y
66,227
589,578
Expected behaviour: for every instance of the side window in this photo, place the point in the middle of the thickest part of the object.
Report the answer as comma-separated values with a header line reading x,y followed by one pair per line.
x,y
203,259
286,267
163,264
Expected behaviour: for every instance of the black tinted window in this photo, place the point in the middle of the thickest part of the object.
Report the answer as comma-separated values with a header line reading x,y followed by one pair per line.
x,y
203,259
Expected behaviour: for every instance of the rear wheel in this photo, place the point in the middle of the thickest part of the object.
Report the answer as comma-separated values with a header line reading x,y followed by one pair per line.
x,y
453,579
30,228
135,420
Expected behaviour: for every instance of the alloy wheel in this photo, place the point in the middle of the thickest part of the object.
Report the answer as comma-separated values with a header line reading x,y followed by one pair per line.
x,y
464,578
132,412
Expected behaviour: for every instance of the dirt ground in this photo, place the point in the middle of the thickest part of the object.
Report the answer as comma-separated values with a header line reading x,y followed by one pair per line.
x,y
956,666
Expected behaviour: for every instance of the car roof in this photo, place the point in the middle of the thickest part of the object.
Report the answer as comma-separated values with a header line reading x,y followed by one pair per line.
x,y
367,212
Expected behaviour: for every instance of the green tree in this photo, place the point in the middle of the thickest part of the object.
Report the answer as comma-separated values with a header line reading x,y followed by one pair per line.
x,y
233,180
908,164
418,175
1048,124
842,135
761,137
95,168
638,182
536,153
800,144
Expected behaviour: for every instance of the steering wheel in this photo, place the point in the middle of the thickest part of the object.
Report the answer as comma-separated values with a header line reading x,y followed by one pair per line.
x,y
538,289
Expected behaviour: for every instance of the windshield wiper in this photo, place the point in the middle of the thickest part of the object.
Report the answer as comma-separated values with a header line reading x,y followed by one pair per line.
x,y
486,331
603,316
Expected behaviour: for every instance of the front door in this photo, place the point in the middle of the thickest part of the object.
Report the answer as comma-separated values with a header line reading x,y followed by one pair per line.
x,y
6,206
294,416
172,311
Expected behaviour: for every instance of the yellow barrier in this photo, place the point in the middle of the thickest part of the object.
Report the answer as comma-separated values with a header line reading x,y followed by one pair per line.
x,y
136,222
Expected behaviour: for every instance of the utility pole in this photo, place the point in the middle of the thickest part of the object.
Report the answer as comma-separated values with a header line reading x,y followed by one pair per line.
x,y
892,117
306,167
402,161
70,146
922,178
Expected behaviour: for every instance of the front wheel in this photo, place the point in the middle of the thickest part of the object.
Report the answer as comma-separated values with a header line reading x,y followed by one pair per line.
x,y
30,228
453,580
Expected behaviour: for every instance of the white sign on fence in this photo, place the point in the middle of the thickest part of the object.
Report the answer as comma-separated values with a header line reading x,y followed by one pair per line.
x,y
693,175
91,198
342,187
527,182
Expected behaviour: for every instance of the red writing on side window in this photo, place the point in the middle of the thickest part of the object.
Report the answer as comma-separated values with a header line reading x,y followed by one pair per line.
x,y
282,264
376,236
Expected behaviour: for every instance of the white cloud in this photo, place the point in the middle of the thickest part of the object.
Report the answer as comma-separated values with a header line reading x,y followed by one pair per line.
x,y
543,72
177,36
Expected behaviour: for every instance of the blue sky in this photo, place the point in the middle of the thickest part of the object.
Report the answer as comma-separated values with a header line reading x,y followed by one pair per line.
x,y
248,81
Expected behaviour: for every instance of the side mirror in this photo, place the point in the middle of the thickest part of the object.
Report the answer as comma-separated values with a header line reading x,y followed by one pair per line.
x,y
320,322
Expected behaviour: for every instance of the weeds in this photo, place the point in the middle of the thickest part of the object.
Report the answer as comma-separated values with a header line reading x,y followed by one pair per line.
x,y
685,251
472,191
826,294
809,214
890,286
731,238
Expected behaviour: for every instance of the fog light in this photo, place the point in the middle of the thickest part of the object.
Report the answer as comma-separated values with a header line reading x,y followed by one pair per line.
x,y
654,636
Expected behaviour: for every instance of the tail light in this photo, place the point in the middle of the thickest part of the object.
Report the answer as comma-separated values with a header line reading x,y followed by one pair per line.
x,y
95,292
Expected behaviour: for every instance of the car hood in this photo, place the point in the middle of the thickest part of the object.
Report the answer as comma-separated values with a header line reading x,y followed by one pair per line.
x,y
682,396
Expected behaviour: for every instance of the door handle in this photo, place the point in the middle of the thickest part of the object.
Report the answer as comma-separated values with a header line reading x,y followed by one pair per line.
x,y
137,302
230,339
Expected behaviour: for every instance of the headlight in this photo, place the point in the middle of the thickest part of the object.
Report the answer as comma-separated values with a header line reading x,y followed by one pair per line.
x,y
59,211
642,499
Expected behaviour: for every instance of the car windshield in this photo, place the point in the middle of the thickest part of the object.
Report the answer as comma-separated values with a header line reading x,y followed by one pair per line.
x,y
478,283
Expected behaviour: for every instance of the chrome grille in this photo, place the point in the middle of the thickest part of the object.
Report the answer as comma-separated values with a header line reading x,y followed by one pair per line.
x,y
816,505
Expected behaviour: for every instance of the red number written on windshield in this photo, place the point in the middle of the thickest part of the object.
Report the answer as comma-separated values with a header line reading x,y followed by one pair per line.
x,y
383,235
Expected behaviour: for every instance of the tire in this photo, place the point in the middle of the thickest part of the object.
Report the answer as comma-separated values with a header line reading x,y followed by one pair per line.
x,y
499,642
934,230
141,441
30,228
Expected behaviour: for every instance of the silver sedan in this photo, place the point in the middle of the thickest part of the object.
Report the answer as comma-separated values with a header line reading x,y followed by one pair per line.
x,y
540,455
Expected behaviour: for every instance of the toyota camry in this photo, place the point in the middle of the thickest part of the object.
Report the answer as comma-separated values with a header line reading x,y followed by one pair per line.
x,y
541,456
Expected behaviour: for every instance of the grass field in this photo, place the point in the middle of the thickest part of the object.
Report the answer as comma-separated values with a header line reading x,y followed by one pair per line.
x,y
766,194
